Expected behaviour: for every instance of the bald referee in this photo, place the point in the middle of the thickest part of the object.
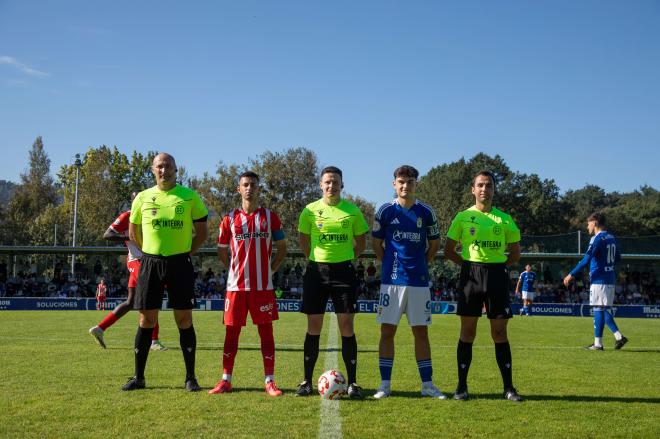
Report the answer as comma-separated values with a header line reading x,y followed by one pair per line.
x,y
484,233
161,224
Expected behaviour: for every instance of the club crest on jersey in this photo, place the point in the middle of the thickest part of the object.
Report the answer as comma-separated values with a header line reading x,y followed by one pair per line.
x,y
497,229
419,223
178,210
344,224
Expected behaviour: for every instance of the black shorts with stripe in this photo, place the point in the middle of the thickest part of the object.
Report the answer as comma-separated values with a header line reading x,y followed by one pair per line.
x,y
484,286
157,273
335,281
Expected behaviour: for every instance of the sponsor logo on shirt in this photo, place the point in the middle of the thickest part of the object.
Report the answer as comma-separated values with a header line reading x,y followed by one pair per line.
x,y
477,244
243,236
333,237
158,224
398,235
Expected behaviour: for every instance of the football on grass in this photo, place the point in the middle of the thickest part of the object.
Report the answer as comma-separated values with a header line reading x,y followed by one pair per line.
x,y
332,384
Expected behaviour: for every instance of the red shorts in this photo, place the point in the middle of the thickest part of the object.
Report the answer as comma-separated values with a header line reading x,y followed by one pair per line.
x,y
262,306
133,270
100,297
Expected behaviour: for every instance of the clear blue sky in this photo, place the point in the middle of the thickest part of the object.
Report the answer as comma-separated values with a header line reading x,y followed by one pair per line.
x,y
569,90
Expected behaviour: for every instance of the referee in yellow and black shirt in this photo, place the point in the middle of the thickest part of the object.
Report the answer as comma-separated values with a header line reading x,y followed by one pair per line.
x,y
484,233
161,224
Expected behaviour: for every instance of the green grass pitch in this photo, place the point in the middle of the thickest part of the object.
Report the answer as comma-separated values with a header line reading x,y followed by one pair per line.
x,y
56,382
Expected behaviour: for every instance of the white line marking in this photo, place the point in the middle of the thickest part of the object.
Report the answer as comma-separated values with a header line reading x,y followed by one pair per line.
x,y
364,347
330,425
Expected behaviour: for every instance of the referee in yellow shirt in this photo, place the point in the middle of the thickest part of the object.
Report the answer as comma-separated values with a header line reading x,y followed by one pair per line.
x,y
161,225
484,233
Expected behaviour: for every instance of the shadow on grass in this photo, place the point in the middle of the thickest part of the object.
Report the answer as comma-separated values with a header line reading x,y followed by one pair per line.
x,y
570,398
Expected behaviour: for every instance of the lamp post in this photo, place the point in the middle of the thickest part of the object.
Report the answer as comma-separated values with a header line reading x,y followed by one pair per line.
x,y
77,163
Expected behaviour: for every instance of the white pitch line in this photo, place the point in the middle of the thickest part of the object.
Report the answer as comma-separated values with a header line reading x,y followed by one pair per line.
x,y
330,425
75,341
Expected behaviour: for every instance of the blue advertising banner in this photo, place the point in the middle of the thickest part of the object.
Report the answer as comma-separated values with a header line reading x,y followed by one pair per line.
x,y
289,305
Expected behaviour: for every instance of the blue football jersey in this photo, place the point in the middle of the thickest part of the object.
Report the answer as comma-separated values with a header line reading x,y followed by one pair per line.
x,y
405,233
527,280
602,254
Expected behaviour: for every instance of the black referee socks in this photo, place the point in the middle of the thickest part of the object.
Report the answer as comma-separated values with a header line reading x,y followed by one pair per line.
x,y
349,354
463,358
311,354
142,344
188,343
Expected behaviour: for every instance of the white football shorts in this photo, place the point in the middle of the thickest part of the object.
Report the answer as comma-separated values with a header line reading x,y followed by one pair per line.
x,y
528,295
601,295
397,299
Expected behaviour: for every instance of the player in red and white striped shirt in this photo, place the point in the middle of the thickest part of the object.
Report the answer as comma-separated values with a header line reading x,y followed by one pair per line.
x,y
245,245
118,231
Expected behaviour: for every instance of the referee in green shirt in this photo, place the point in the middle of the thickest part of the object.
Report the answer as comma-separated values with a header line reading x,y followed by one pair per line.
x,y
161,224
484,233
332,234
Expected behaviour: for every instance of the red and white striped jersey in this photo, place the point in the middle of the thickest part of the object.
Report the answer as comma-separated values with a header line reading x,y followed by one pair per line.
x,y
250,239
120,225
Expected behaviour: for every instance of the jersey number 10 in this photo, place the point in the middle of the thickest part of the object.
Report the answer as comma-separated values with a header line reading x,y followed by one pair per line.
x,y
611,253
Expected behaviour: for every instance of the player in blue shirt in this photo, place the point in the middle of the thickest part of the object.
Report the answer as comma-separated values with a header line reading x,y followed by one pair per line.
x,y
601,256
405,238
527,281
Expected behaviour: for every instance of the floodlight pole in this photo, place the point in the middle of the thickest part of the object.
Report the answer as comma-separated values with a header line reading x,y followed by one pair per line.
x,y
77,164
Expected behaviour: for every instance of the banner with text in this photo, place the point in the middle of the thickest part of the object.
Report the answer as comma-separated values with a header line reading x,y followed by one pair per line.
x,y
289,305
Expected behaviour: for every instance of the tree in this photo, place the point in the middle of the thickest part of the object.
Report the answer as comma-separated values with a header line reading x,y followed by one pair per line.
x,y
579,204
636,213
533,203
32,198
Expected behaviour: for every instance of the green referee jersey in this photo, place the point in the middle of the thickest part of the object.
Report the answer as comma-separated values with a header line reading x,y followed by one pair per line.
x,y
167,219
483,235
331,230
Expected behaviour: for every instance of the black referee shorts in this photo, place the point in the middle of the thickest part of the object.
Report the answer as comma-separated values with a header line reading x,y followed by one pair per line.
x,y
336,281
159,272
484,285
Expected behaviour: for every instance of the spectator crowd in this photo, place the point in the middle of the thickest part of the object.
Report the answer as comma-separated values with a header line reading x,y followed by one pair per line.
x,y
633,288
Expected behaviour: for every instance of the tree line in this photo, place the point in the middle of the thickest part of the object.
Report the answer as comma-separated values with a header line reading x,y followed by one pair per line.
x,y
39,210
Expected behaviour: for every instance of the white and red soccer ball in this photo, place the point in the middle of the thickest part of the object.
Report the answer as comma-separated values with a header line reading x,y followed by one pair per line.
x,y
332,384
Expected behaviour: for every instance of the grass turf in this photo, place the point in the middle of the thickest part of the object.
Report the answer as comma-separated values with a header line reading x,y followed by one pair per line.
x,y
58,383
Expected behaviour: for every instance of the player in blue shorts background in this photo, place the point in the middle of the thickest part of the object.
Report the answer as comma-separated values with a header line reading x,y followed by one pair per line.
x,y
526,281
601,256
405,239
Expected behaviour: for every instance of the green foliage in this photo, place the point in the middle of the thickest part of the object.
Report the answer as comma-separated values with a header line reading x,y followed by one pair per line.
x,y
7,189
533,203
107,178
579,204
31,199
636,213
289,181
